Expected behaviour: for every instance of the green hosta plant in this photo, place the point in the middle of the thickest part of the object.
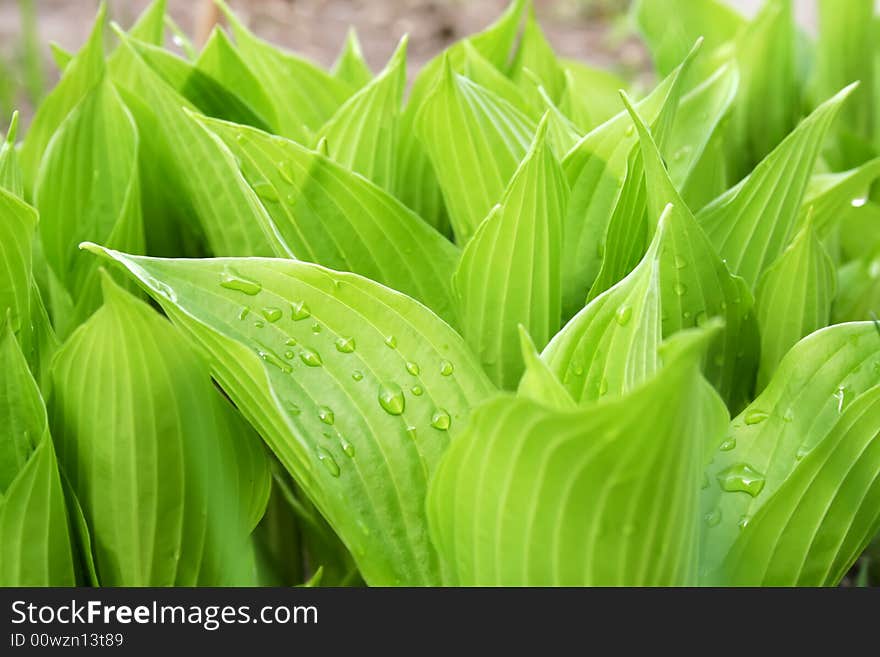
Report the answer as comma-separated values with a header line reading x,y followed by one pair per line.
x,y
512,323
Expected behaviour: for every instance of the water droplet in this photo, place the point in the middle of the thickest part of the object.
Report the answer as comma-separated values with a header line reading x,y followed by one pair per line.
x,y
756,417
743,522
357,375
789,415
440,419
325,414
801,453
859,202
285,168
705,483
344,345
741,478
290,342
623,315
446,368
413,368
300,311
316,328
713,517
391,342
578,369
603,386
728,445
269,356
417,391
266,191
289,355
680,263
244,313
272,314
680,289
630,130
259,323
240,137
347,447
232,281
391,398
311,358
329,462
411,432
293,409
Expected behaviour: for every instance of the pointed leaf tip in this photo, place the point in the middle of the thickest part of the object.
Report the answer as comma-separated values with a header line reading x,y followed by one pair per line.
x,y
13,129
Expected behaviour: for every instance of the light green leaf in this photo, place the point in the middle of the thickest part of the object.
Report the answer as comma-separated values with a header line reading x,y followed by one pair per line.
x,y
859,234
610,347
351,67
517,248
670,28
356,388
829,196
150,25
753,222
18,222
304,95
331,216
792,494
190,179
170,478
85,70
88,188
793,298
696,285
10,171
363,134
859,290
535,59
35,548
605,495
591,95
222,62
538,382
492,137
562,132
60,56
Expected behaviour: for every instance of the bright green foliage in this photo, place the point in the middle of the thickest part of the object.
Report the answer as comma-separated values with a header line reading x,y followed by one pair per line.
x,y
486,326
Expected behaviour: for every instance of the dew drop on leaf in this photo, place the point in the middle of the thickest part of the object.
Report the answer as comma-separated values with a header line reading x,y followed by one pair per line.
x,y
311,358
411,432
325,414
440,419
446,368
623,315
756,417
290,342
345,345
391,398
300,311
743,522
232,281
269,356
289,355
713,517
603,386
347,447
259,323
391,342
329,462
271,314
293,409
413,368
285,168
680,289
701,318
316,328
741,478
357,375
680,263
266,191
728,445
789,415
244,313
417,391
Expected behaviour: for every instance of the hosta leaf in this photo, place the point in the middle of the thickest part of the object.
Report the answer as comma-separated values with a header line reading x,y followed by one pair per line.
x,y
304,95
150,25
417,184
696,285
846,33
351,67
591,94
85,70
363,134
184,165
87,188
516,247
604,495
562,133
35,548
539,383
793,298
610,346
752,222
471,63
768,103
670,28
831,195
535,57
170,478
221,61
859,237
474,168
792,495
10,171
355,387
18,222
334,217
859,290
596,168
60,56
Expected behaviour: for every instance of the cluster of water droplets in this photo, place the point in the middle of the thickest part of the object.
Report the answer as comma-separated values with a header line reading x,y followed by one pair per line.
x,y
390,395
